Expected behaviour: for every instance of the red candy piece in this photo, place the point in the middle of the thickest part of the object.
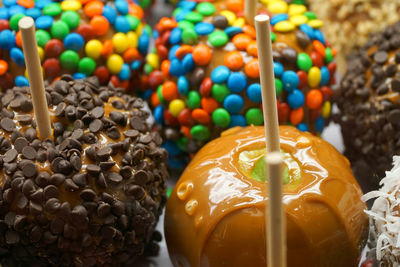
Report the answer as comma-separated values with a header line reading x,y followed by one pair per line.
x,y
317,59
326,92
303,78
155,79
332,68
6,81
51,67
315,114
103,74
4,25
185,117
209,104
87,32
205,87
283,112
170,119
162,51
53,48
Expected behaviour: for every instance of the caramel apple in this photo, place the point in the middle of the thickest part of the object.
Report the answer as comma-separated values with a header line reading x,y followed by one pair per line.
x,y
215,214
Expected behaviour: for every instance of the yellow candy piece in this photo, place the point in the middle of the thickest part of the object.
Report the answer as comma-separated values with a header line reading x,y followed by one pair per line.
x,y
229,15
139,29
176,106
239,22
93,49
133,39
298,19
315,23
314,77
284,26
326,109
153,61
277,7
71,5
295,9
41,53
120,42
114,63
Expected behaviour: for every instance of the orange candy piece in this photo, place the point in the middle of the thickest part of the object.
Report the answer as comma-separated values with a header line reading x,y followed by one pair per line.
x,y
100,25
314,99
249,30
167,23
165,68
183,50
296,116
136,10
202,54
200,115
319,47
209,104
18,39
241,41
233,60
3,66
169,91
252,68
234,5
131,54
26,3
252,48
107,49
154,100
93,8
186,132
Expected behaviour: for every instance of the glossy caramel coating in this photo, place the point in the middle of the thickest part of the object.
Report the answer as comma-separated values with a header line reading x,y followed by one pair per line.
x,y
215,215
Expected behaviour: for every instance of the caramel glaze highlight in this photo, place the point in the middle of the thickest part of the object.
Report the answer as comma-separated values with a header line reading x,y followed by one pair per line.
x,y
325,221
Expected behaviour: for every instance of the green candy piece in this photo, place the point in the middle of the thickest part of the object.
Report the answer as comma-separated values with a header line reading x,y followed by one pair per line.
x,y
189,36
176,11
221,117
328,55
205,9
87,66
254,116
273,37
159,94
258,173
184,24
193,99
218,38
14,21
42,37
304,61
194,17
219,91
71,18
147,29
182,143
169,192
53,9
310,15
145,3
69,60
133,21
278,86
148,68
200,132
299,2
59,30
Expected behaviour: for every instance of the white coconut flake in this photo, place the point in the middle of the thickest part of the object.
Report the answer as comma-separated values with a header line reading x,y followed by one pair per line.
x,y
385,215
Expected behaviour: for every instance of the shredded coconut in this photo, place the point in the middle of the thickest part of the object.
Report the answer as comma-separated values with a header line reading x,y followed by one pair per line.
x,y
385,216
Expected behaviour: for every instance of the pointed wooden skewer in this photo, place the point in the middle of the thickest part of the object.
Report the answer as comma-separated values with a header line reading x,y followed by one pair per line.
x,y
250,10
35,77
275,219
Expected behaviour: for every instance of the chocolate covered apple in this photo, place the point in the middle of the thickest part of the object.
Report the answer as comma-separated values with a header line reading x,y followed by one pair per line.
x,y
215,215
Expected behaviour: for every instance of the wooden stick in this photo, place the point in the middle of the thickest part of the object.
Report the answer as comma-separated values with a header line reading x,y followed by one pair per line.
x,y
276,223
275,219
35,77
267,80
250,10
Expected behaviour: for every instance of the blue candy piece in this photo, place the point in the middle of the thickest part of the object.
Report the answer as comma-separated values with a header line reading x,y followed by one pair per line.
x,y
220,74
307,30
7,39
17,56
42,3
136,65
125,73
181,15
176,68
176,163
318,35
279,18
144,42
295,99
74,41
146,94
16,10
233,103
204,28
122,24
254,93
237,82
122,6
232,31
78,76
187,5
9,3
21,81
4,13
110,13
325,76
278,69
175,36
172,52
302,127
237,120
183,85
290,80
171,147
319,124
159,114
33,12
155,34
188,62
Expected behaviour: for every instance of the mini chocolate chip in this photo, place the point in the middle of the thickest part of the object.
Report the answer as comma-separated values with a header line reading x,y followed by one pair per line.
x,y
137,124
29,169
116,116
77,134
49,238
93,169
16,183
41,155
60,110
79,213
382,89
87,195
95,126
7,124
145,139
10,156
57,226
395,85
98,112
31,134
21,202
20,222
118,104
52,205
141,178
12,237
394,117
126,172
64,211
70,186
28,188
37,196
118,208
104,153
380,57
35,208
29,152
57,179
80,179
24,119
108,232
103,210
105,166
114,177
107,198
50,191
101,181
135,191
131,133
113,133
20,143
